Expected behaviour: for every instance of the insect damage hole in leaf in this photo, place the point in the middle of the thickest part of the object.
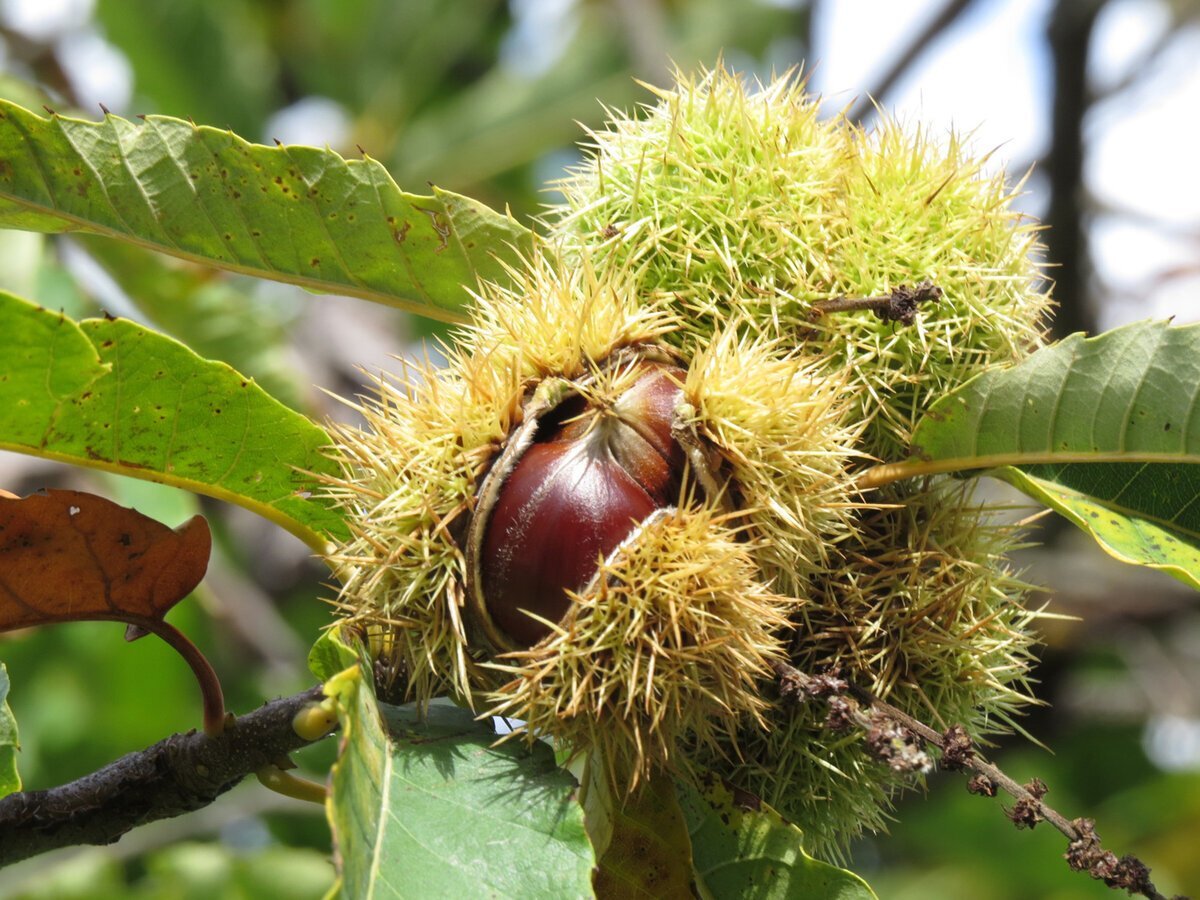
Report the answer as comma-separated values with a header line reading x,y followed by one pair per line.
x,y
68,556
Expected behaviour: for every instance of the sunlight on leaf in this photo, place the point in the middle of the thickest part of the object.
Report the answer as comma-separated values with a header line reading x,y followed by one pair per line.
x,y
1105,430
113,395
296,214
330,654
428,807
1127,536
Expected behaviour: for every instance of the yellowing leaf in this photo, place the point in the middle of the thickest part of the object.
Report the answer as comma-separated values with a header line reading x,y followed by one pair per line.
x,y
649,854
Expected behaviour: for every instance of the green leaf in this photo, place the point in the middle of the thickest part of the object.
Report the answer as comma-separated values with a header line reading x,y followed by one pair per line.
x,y
219,318
428,807
742,852
294,214
1105,430
114,396
330,654
10,780
647,852
1130,535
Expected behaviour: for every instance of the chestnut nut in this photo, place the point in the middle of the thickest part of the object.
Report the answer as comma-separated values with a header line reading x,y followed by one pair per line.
x,y
574,482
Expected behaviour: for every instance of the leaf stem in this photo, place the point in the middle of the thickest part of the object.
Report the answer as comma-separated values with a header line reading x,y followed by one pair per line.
x,y
276,779
210,685
887,473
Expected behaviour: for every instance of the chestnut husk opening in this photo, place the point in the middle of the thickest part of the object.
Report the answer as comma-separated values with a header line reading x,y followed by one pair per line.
x,y
572,484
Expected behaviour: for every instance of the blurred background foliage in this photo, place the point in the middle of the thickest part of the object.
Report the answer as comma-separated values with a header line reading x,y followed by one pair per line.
x,y
487,98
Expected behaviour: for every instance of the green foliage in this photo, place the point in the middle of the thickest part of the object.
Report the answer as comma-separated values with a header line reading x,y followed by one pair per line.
x,y
1103,430
188,870
294,214
217,317
428,806
330,655
10,780
113,395
753,853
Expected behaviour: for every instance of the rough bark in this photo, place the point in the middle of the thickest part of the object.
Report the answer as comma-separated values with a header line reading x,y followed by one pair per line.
x,y
182,773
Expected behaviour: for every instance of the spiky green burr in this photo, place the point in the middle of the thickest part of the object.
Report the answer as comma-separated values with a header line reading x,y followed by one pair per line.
x,y
740,206
703,237
724,199
921,607
665,645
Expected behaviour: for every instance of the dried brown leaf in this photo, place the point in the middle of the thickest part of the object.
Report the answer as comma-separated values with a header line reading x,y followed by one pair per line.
x,y
70,555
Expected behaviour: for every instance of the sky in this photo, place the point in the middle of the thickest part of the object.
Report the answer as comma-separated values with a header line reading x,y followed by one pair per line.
x,y
990,76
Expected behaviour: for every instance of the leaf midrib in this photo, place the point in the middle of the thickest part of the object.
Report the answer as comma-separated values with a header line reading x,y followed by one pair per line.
x,y
430,311
886,473
1126,511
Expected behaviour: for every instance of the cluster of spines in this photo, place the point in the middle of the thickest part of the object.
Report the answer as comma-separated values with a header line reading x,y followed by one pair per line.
x,y
779,426
665,648
413,470
713,224
725,201
920,607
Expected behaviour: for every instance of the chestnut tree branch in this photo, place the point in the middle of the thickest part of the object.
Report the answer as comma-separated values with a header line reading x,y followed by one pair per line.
x,y
897,739
182,773
898,306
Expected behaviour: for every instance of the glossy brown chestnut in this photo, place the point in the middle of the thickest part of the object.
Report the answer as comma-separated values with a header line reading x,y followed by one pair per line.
x,y
564,496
